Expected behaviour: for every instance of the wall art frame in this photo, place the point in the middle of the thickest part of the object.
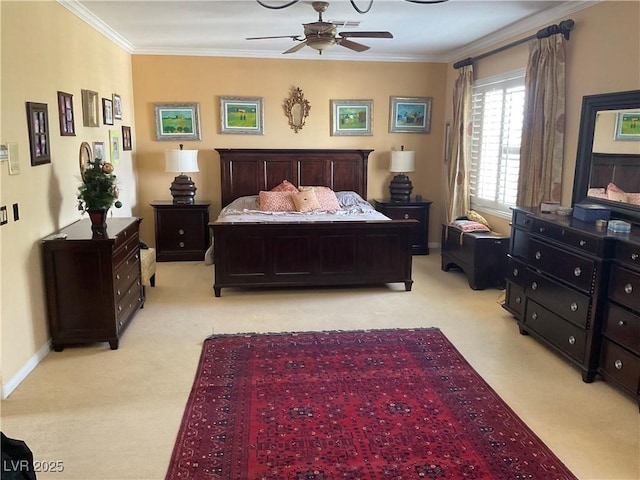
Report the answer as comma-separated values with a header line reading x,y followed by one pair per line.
x,y
90,108
99,150
627,126
410,114
107,111
39,138
117,106
114,147
177,121
65,114
242,115
351,117
126,137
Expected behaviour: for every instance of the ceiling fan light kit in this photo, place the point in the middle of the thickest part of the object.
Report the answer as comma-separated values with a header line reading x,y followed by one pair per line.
x,y
321,35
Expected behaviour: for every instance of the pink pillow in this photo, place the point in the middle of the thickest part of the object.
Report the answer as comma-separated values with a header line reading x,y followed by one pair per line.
x,y
285,186
276,202
469,226
326,198
616,194
633,198
306,201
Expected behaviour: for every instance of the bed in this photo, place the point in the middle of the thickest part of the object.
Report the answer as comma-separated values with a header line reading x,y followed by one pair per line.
x,y
306,253
615,177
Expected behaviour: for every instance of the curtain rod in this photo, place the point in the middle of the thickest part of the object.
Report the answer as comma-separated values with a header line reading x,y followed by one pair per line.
x,y
563,28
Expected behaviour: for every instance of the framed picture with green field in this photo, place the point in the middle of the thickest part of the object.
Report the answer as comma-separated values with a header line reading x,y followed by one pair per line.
x,y
628,126
243,115
177,121
351,117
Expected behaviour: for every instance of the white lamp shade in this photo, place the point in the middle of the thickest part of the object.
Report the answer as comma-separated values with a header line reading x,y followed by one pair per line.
x,y
402,161
181,161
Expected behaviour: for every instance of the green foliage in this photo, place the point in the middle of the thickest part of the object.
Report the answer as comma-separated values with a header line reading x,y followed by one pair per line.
x,y
98,190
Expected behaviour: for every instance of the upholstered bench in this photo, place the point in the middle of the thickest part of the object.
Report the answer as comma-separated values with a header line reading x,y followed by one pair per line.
x,y
148,266
481,255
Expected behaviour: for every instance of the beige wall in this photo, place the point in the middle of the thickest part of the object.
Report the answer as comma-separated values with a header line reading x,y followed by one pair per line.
x,y
45,48
203,79
603,56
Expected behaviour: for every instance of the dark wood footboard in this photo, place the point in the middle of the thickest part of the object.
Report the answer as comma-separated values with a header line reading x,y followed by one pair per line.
x,y
312,254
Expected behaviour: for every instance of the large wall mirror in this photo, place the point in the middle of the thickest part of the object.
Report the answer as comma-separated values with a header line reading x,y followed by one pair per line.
x,y
608,161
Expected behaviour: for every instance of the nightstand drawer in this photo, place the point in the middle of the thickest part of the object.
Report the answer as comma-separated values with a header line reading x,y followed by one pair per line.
x,y
182,231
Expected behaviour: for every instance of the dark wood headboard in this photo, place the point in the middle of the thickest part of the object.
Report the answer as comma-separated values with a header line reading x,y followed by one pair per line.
x,y
247,171
622,170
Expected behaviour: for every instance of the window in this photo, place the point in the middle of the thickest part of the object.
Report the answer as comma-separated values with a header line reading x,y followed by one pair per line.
x,y
498,112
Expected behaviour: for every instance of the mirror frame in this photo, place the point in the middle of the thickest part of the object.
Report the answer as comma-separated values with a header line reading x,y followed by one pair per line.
x,y
297,98
591,105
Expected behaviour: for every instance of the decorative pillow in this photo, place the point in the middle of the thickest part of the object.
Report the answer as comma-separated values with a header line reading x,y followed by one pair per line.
x,y
633,198
285,186
597,192
469,226
476,217
326,198
276,202
616,194
305,201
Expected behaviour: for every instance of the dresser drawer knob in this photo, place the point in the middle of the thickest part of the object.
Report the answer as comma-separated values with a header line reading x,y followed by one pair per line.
x,y
541,229
119,293
515,272
571,340
634,256
622,323
574,307
583,243
406,216
117,276
618,364
534,285
534,316
628,288
538,255
181,244
577,271
518,299
181,231
119,308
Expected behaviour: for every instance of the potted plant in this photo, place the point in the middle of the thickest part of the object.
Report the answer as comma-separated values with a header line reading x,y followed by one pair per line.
x,y
98,192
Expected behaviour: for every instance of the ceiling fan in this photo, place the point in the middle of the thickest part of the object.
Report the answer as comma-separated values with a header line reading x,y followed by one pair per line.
x,y
321,35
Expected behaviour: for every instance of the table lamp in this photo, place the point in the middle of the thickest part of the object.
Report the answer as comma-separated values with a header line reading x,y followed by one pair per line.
x,y
402,161
183,189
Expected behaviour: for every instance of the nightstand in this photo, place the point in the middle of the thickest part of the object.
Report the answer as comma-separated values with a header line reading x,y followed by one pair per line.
x,y
411,210
182,231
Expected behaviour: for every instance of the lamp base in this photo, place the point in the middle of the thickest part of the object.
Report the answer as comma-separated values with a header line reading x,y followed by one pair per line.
x,y
183,190
400,188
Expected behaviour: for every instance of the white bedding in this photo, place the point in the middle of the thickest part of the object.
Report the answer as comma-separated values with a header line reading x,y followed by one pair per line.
x,y
352,208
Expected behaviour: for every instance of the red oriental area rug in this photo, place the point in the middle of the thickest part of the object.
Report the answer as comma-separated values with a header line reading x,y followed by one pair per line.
x,y
386,404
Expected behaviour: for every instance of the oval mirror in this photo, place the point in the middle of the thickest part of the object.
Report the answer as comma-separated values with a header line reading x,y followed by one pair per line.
x,y
296,108
84,157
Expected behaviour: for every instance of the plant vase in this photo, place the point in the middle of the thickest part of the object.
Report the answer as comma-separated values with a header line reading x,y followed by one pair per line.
x,y
98,220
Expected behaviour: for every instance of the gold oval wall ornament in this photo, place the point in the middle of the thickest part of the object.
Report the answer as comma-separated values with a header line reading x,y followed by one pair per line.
x,y
84,157
296,108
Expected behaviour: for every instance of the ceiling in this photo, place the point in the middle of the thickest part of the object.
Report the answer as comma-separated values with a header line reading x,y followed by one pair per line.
x,y
443,32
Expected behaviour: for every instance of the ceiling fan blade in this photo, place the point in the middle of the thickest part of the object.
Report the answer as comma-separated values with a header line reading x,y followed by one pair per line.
x,y
293,37
366,34
358,47
296,47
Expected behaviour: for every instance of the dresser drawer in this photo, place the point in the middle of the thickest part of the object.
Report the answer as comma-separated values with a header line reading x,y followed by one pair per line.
x,y
620,365
126,235
522,219
628,253
565,266
565,301
562,334
516,271
130,302
514,299
126,277
624,287
126,248
623,327
571,238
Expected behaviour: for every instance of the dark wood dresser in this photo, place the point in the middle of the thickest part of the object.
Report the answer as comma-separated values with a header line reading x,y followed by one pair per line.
x,y
575,288
92,282
411,210
182,231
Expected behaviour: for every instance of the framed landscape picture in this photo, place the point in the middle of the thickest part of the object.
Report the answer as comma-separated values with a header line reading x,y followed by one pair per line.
x,y
243,115
628,126
177,121
351,117
410,114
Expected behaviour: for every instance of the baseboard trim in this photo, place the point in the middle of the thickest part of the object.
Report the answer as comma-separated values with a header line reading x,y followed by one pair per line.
x,y
12,384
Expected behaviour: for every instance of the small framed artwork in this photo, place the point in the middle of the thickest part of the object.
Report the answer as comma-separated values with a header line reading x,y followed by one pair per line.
x,y
117,106
38,122
628,126
98,150
177,121
65,114
243,115
410,114
126,138
351,117
114,147
90,108
107,111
